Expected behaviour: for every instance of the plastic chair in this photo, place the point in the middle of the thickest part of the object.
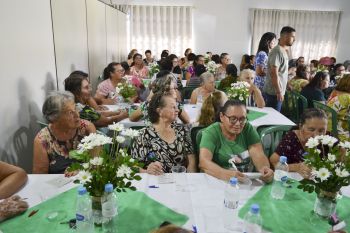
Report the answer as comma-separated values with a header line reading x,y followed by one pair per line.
x,y
42,124
137,127
276,133
332,114
187,92
194,132
198,142
298,104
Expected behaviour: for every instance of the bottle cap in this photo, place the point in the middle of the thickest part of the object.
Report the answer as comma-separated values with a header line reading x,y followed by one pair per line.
x,y
283,159
254,208
82,190
233,181
109,188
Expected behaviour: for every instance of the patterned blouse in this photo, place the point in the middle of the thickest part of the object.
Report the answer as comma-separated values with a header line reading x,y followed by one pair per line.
x,y
143,73
58,151
291,147
340,102
298,84
149,147
87,113
261,60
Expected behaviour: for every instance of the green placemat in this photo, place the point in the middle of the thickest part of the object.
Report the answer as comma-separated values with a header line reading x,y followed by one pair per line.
x,y
294,213
137,213
253,115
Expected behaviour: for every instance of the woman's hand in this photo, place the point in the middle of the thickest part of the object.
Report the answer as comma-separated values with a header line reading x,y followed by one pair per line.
x,y
303,170
70,174
266,174
155,168
12,206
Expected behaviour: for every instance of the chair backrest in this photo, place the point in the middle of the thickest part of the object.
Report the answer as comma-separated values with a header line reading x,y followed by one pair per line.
x,y
332,114
186,92
271,137
298,104
195,143
137,127
42,124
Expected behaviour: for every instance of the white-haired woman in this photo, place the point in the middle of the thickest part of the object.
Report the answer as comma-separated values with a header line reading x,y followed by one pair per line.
x,y
256,98
64,132
207,87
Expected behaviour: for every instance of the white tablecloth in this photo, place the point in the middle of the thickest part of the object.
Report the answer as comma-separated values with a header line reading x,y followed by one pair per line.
x,y
202,202
273,117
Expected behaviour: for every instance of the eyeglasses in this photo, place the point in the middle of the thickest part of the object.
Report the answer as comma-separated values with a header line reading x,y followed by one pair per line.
x,y
120,70
233,120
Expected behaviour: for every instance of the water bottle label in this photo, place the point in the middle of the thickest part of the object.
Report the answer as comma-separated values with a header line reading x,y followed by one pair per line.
x,y
231,204
79,217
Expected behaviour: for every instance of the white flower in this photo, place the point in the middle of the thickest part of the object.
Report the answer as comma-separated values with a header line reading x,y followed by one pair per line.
x,y
93,140
122,153
123,170
312,142
97,161
116,127
345,145
328,140
240,98
84,176
132,160
331,157
85,165
323,174
131,133
120,139
341,173
117,90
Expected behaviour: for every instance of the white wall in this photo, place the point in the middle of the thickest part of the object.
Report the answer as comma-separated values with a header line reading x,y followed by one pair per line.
x,y
223,25
27,73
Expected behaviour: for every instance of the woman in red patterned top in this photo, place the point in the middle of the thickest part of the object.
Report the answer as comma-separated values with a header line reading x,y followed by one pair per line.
x,y
313,123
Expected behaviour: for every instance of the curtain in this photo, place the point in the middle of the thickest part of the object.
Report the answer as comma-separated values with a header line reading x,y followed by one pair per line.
x,y
161,27
316,31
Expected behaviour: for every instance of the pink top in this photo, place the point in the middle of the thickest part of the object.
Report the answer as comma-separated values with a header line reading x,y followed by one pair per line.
x,y
143,73
106,88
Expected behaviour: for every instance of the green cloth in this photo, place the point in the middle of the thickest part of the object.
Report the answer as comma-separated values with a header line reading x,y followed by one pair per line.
x,y
136,213
294,213
253,115
224,149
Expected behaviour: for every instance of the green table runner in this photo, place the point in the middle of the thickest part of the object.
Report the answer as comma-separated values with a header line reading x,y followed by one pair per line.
x,y
253,115
294,213
137,213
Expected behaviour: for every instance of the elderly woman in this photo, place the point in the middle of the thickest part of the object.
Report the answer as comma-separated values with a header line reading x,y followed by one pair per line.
x,y
113,75
313,122
255,97
233,146
80,87
164,144
64,132
340,102
207,87
224,61
301,78
138,68
166,84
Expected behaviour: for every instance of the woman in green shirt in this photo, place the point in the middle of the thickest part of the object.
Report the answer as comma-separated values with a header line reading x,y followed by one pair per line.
x,y
233,146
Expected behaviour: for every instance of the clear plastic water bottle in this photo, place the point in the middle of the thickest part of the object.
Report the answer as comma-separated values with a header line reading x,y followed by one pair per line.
x,y
109,210
278,189
84,219
231,205
253,220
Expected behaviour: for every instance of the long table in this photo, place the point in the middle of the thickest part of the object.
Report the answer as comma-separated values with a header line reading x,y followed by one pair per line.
x,y
202,202
272,116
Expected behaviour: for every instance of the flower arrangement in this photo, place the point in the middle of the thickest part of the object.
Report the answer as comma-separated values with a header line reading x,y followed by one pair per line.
x,y
212,67
239,90
330,172
153,69
113,165
126,90
206,59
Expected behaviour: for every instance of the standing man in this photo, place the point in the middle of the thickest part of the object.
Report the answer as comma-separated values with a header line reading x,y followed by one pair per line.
x,y
277,72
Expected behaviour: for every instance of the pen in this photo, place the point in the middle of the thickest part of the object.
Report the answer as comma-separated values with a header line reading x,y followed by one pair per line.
x,y
32,213
153,186
194,228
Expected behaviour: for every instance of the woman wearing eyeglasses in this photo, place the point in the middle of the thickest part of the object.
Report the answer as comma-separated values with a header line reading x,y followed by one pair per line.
x,y
233,146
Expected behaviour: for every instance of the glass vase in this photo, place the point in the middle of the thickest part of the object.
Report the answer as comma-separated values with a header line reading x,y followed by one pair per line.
x,y
325,204
97,210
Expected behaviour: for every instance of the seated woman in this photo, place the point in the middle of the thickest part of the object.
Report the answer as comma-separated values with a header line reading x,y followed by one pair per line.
x,y
211,107
12,178
340,102
313,122
164,83
195,80
256,97
80,87
64,132
231,77
301,79
207,87
233,146
138,68
113,75
313,90
164,144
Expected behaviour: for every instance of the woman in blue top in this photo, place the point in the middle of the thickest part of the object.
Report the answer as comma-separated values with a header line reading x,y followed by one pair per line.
x,y
267,42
